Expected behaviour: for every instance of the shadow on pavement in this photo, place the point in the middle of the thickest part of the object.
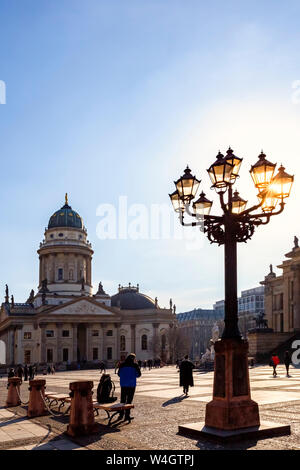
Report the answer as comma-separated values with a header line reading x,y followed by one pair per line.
x,y
174,400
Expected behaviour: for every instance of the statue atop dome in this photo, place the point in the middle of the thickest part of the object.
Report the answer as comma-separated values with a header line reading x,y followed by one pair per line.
x,y
6,294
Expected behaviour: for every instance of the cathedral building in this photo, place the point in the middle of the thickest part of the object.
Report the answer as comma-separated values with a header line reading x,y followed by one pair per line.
x,y
282,309
65,323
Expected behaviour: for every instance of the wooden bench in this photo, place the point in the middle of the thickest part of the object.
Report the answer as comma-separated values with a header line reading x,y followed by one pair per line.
x,y
55,398
111,410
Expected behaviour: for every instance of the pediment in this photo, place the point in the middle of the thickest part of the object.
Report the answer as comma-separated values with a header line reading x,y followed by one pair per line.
x,y
82,307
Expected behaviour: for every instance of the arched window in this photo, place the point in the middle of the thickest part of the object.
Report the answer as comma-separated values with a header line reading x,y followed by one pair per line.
x,y
60,274
122,343
144,343
71,275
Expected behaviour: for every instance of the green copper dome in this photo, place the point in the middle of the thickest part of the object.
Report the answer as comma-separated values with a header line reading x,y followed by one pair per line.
x,y
65,217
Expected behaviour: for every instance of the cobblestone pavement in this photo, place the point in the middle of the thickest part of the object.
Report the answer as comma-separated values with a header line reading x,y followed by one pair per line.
x,y
159,408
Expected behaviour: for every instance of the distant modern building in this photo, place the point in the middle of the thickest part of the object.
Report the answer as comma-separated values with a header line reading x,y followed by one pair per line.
x,y
219,307
197,326
250,305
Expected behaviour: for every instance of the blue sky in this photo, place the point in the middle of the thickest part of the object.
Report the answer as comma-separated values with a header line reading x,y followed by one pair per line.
x,y
110,98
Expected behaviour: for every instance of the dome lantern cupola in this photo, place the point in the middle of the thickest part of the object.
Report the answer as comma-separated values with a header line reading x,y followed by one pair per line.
x,y
66,217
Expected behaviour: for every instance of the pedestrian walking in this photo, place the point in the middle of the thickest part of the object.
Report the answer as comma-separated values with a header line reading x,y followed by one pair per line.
x,y
11,373
287,362
186,374
25,373
274,363
102,367
128,372
30,372
20,372
117,365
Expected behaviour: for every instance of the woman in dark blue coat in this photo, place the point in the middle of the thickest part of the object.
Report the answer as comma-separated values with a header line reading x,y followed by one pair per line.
x,y
128,372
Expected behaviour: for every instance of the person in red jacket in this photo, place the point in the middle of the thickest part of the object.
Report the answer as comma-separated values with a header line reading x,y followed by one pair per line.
x,y
275,361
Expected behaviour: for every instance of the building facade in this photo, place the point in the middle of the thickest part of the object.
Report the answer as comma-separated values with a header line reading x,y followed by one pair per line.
x,y
282,294
282,310
197,326
65,323
250,305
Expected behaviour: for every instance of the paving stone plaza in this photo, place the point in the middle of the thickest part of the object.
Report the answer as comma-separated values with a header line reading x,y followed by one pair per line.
x,y
159,408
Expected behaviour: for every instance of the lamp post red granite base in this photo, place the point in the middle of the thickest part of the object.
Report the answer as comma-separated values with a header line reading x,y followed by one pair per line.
x,y
231,407
232,414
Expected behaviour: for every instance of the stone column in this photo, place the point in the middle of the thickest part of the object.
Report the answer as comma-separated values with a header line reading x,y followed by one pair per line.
x,y
74,333
87,343
78,264
296,297
269,307
66,268
7,351
133,339
43,341
10,347
19,349
103,358
58,343
40,280
116,355
52,268
155,341
88,271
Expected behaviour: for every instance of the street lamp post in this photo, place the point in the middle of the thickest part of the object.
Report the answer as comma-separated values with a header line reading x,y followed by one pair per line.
x,y
231,408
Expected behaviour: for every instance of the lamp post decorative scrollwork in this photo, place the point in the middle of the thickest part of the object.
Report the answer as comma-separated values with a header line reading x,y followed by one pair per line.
x,y
232,407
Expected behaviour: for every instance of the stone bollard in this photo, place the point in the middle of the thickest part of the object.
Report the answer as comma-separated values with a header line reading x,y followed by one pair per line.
x,y
82,420
13,394
36,405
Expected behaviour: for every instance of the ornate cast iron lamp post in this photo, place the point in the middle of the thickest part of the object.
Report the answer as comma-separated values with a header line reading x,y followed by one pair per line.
x,y
232,408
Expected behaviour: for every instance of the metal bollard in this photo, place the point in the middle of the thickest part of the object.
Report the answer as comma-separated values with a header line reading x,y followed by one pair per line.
x,y
82,420
13,394
36,405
